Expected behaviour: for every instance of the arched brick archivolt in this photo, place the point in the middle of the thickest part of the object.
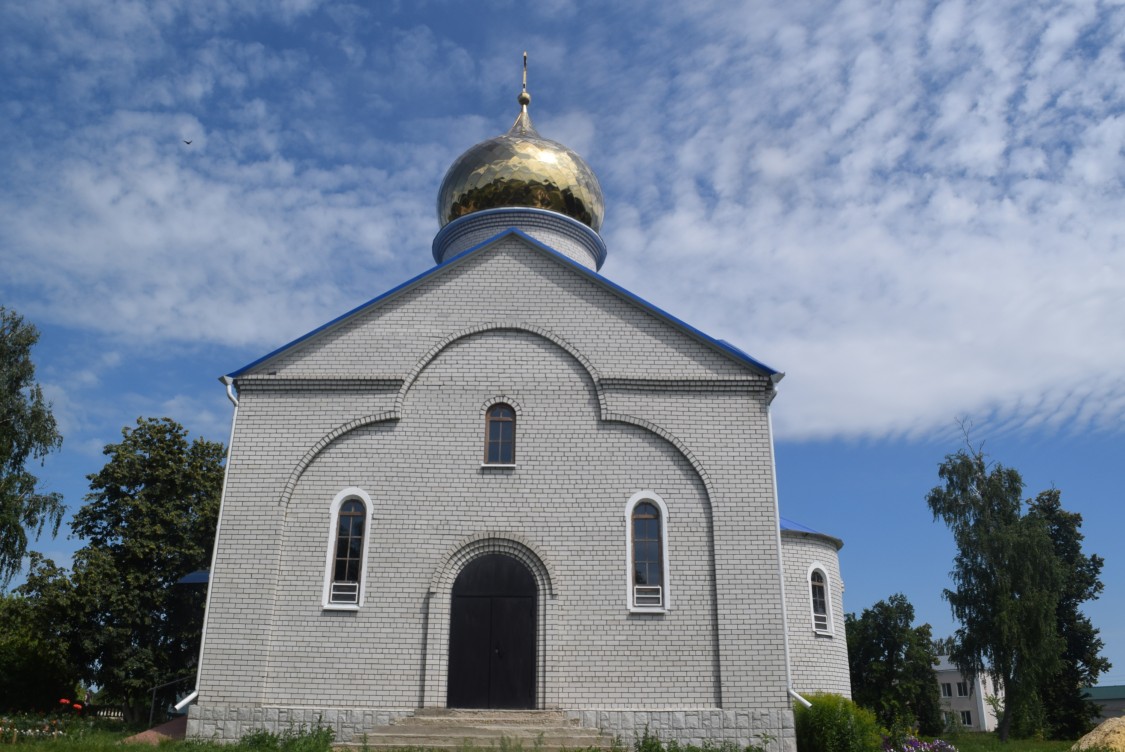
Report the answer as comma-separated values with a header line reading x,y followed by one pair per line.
x,y
604,412
438,607
539,331
322,444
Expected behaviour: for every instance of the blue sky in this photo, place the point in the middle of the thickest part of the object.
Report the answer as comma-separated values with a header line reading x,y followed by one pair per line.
x,y
911,208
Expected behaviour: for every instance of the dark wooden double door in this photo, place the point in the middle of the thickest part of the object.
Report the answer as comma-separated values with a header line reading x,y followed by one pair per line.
x,y
492,635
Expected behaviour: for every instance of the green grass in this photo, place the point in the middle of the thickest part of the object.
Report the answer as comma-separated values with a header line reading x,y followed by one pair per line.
x,y
108,738
991,743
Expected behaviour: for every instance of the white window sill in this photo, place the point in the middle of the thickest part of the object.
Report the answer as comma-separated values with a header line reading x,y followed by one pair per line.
x,y
648,610
823,633
341,607
497,464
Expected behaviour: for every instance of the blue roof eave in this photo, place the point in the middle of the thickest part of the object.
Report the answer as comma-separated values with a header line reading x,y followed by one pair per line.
x,y
788,525
721,346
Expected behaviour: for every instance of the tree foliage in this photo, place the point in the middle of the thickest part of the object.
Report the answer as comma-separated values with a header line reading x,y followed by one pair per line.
x,y
1067,714
892,666
149,519
27,433
36,665
1009,583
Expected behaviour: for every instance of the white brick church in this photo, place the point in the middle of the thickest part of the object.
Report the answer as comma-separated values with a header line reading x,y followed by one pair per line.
x,y
510,483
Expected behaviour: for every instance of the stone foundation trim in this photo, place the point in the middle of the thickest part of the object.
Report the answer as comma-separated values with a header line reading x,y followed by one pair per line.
x,y
695,726
229,723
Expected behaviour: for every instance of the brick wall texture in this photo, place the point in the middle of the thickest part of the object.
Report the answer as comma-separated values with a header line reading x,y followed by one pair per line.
x,y
818,660
611,400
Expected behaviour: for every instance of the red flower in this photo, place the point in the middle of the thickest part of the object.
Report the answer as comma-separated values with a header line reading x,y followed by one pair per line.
x,y
64,701
77,706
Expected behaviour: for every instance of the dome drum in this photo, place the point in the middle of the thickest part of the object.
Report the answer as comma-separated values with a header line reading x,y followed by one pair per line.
x,y
567,236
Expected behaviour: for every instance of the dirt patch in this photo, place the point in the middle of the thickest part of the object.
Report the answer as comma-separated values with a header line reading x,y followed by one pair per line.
x,y
173,729
1110,734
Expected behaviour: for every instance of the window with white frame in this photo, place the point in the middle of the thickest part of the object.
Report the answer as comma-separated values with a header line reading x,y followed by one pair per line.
x,y
500,435
946,689
646,524
962,689
966,718
346,562
820,601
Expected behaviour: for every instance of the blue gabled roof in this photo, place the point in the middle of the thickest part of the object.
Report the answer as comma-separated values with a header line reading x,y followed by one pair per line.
x,y
718,344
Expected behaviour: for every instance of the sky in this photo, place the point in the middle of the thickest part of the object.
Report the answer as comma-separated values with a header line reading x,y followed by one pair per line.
x,y
913,209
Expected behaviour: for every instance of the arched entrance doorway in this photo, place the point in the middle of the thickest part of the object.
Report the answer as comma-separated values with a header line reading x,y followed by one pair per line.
x,y
492,635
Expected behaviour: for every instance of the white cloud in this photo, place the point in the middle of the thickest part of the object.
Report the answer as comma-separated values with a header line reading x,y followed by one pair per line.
x,y
915,212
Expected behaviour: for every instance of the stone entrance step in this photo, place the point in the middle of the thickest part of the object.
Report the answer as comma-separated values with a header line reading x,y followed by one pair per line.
x,y
546,730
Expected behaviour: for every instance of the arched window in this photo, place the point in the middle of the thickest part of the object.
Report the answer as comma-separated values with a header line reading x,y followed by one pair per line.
x,y
347,550
500,435
647,553
818,591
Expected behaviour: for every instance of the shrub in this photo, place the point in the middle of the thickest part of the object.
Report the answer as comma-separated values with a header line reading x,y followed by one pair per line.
x,y
836,724
317,738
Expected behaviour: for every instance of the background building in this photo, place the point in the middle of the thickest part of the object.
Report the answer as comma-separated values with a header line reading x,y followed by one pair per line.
x,y
965,700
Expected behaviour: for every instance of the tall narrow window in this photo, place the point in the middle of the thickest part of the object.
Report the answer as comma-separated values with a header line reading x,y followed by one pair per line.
x,y
346,565
648,560
819,601
349,552
500,435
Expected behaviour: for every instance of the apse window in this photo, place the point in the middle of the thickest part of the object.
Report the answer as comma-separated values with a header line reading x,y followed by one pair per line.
x,y
818,586
646,525
500,435
347,553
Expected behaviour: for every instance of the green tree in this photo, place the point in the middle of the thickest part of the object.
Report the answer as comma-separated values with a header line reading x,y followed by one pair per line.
x,y
1067,714
892,666
27,433
149,519
944,645
36,665
1008,582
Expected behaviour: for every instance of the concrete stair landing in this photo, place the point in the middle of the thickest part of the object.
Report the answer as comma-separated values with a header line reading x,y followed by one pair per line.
x,y
547,730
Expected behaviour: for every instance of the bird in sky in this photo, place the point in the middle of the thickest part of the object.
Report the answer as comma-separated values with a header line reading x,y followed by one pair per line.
x,y
188,143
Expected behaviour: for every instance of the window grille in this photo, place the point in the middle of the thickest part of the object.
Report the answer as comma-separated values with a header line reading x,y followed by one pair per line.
x,y
344,592
648,595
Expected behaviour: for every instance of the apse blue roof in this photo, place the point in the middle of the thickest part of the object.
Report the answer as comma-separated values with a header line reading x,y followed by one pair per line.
x,y
718,344
788,524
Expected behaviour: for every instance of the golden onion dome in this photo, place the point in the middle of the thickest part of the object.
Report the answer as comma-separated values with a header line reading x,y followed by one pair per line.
x,y
521,169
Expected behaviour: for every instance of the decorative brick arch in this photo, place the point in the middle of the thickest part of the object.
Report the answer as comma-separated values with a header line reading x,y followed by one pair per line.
x,y
539,331
320,446
671,439
433,352
494,542
438,602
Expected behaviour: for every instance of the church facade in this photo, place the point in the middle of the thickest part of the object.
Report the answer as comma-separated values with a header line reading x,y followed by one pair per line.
x,y
511,483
